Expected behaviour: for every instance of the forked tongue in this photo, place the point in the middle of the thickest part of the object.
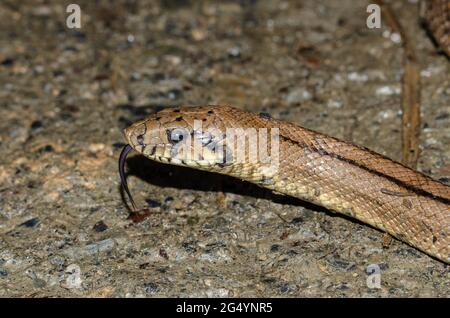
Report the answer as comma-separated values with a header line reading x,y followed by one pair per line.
x,y
123,180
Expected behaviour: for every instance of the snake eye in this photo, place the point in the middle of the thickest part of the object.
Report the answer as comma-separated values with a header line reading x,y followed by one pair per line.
x,y
176,135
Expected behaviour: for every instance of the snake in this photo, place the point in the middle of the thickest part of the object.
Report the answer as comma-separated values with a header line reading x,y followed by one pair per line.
x,y
335,174
302,163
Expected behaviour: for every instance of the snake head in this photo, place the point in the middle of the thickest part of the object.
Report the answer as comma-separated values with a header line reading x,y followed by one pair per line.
x,y
190,136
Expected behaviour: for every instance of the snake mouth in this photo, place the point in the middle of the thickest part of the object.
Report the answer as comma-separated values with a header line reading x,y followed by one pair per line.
x,y
202,159
183,162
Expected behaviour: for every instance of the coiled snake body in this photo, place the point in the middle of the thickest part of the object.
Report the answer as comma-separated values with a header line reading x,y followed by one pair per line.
x,y
335,174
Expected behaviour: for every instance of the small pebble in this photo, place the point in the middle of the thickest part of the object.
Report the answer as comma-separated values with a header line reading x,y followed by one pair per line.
x,y
151,288
297,221
275,248
234,51
100,226
445,180
3,272
96,147
298,96
30,223
153,203
46,148
7,62
57,260
39,283
35,125
168,200
88,250
265,116
175,94
284,288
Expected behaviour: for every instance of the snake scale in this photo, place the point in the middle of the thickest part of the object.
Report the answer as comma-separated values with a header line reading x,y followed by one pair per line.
x,y
311,166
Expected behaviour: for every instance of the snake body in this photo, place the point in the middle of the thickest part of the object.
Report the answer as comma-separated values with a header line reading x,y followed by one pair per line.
x,y
311,166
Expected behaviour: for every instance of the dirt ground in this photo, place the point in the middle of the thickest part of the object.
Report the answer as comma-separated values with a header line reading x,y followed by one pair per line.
x,y
66,94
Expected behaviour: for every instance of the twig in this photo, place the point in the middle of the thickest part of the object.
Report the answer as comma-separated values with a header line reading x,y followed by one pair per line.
x,y
410,92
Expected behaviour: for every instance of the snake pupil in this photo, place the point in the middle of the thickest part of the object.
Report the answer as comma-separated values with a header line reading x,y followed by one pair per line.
x,y
175,135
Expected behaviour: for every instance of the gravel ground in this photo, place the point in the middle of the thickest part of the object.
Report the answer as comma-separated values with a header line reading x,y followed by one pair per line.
x,y
66,95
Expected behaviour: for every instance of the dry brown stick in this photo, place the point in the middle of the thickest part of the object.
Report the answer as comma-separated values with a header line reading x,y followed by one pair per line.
x,y
410,92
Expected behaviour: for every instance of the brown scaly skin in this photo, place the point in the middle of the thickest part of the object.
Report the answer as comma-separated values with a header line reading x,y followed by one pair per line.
x,y
337,175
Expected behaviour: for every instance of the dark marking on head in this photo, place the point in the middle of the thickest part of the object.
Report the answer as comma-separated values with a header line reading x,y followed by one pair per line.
x,y
179,118
210,112
152,152
434,239
176,110
158,118
140,139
